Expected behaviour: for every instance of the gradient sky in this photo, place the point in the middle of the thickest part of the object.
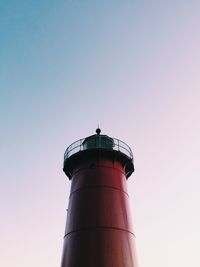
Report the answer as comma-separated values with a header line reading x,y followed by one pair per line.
x,y
131,66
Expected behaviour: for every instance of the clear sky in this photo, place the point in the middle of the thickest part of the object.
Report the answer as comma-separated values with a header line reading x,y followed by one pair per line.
x,y
131,66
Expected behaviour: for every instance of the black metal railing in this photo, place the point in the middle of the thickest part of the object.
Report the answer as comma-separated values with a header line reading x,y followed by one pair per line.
x,y
97,143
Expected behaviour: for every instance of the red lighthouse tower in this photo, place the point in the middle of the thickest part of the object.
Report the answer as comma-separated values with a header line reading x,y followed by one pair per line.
x,y
98,229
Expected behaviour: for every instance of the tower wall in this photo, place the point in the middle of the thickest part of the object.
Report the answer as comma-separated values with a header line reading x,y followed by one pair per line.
x,y
98,228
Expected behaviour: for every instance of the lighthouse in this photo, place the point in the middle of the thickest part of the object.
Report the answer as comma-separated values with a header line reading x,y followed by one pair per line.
x,y
98,229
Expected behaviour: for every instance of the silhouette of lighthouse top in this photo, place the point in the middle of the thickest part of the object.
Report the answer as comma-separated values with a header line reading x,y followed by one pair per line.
x,y
101,145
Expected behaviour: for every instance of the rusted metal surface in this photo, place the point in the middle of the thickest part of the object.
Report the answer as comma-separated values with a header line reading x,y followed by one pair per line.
x,y
98,229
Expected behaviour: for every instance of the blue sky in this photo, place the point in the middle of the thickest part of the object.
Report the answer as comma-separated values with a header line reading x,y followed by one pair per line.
x,y
133,67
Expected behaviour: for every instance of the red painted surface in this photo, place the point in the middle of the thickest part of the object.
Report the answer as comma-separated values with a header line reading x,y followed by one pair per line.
x,y
98,229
